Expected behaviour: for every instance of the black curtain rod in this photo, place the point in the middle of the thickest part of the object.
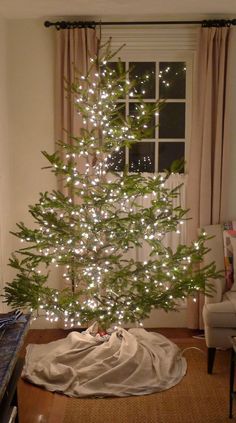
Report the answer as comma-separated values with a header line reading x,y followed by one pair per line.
x,y
90,24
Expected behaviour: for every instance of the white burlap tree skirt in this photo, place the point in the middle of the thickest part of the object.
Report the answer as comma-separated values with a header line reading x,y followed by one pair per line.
x,y
134,362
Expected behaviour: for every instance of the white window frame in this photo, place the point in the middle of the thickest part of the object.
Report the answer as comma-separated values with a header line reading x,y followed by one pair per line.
x,y
165,43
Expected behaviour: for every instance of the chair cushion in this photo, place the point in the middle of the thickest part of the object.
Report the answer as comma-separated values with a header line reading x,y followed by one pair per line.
x,y
221,315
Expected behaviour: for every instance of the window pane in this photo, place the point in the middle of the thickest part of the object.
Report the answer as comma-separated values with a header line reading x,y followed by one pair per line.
x,y
118,68
172,120
142,157
144,74
172,79
168,152
149,129
117,162
119,114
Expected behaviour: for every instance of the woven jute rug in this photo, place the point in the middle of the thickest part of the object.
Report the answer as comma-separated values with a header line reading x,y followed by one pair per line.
x,y
198,398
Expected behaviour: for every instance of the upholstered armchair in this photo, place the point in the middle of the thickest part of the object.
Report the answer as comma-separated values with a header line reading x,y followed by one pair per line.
x,y
219,312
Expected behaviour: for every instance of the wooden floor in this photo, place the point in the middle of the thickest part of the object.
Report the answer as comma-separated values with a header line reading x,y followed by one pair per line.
x,y
39,406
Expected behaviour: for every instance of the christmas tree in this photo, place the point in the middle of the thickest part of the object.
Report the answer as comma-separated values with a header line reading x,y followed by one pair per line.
x,y
88,229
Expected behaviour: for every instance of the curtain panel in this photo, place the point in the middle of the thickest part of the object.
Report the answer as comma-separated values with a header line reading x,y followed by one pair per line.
x,y
74,48
208,141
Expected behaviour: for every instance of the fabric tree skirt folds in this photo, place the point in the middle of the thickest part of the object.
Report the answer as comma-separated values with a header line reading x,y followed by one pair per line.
x,y
133,362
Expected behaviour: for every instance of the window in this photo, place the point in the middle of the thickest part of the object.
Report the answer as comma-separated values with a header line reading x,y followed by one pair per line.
x,y
166,73
158,49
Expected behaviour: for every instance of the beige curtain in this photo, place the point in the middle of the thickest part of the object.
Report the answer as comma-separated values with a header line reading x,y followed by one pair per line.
x,y
228,203
208,142
74,48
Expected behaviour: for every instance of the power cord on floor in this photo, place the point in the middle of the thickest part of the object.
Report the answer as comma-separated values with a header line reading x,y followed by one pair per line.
x,y
200,336
193,348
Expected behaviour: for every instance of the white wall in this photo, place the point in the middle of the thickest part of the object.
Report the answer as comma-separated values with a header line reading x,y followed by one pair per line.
x,y
5,188
30,93
31,105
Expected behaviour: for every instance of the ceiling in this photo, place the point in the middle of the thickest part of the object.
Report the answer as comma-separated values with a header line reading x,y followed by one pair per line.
x,y
127,9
